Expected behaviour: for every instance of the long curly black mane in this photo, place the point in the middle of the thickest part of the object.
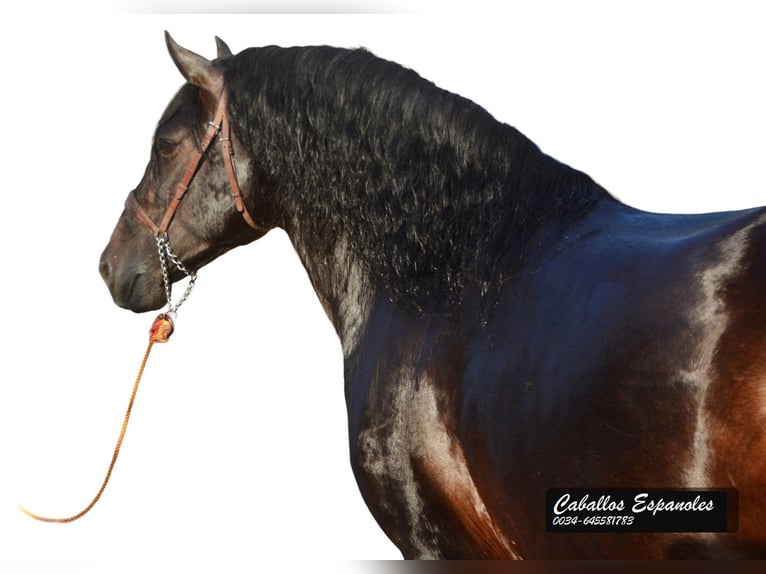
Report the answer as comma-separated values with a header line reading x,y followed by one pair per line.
x,y
433,194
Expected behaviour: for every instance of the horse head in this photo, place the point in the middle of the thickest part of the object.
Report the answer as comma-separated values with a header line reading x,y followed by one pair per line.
x,y
190,160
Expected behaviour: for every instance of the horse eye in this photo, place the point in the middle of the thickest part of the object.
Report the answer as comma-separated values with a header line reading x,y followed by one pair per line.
x,y
166,147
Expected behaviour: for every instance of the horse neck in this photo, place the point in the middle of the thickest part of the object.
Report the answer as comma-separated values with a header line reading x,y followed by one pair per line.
x,y
341,283
390,188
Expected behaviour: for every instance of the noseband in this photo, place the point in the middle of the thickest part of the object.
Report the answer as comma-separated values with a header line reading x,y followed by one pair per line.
x,y
220,124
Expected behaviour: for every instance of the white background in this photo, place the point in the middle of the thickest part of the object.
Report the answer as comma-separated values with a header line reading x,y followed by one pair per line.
x,y
237,451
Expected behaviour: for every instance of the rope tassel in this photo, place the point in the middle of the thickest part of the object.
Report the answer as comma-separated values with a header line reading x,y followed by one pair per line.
x,y
159,332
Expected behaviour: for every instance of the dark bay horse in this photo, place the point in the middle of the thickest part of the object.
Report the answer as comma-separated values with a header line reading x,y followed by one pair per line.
x,y
507,325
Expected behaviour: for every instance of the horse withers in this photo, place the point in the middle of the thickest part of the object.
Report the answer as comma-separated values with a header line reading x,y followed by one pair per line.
x,y
508,327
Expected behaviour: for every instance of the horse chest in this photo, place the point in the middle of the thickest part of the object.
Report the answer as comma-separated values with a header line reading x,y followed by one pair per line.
x,y
413,474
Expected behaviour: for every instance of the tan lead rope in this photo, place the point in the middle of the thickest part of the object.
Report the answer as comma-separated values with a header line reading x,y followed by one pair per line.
x,y
160,331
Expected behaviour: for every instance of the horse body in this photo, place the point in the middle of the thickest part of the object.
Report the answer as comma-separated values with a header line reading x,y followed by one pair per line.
x,y
598,367
507,325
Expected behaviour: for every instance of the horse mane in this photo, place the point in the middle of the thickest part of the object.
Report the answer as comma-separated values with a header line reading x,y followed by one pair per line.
x,y
432,194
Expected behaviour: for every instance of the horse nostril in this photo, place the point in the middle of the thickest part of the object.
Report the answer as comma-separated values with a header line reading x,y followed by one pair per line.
x,y
105,268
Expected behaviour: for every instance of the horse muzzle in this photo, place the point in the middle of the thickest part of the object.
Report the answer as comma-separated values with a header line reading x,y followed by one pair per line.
x,y
131,286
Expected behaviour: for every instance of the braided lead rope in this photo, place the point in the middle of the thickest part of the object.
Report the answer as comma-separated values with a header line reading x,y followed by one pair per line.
x,y
160,331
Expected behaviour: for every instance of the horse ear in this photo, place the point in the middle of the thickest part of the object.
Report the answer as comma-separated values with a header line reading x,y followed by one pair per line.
x,y
197,70
223,48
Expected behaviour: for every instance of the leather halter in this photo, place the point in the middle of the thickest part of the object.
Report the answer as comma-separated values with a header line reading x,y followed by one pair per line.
x,y
220,124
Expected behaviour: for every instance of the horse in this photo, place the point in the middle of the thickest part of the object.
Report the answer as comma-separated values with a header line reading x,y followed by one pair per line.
x,y
507,325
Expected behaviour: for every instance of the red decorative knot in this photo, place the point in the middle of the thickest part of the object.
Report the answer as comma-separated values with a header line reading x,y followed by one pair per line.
x,y
161,329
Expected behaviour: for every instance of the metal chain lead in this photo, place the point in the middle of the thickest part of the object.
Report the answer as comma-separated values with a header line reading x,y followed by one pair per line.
x,y
163,248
